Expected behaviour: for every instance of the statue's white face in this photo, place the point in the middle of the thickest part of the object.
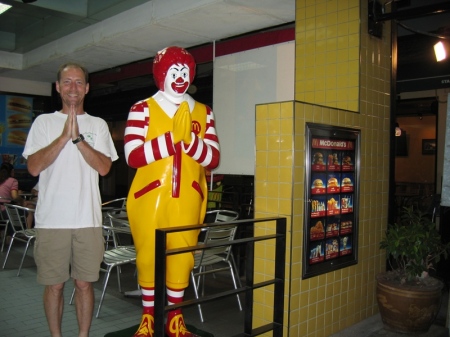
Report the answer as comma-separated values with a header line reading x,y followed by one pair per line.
x,y
177,80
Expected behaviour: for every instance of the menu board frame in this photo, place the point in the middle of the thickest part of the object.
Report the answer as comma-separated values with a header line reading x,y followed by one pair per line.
x,y
331,198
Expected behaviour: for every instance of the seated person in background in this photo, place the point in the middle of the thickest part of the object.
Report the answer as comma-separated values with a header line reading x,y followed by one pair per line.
x,y
9,189
32,204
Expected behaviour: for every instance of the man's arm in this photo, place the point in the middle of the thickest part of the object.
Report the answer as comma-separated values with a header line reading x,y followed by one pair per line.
x,y
97,160
40,160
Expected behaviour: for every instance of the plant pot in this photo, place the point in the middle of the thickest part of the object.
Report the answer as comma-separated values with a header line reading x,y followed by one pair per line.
x,y
408,308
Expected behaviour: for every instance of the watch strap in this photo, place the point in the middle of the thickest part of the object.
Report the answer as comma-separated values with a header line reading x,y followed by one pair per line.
x,y
79,139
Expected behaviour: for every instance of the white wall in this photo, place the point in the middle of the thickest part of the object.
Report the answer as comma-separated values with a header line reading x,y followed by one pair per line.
x,y
241,81
17,86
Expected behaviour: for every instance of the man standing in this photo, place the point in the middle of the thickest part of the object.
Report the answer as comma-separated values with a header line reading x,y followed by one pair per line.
x,y
171,139
68,149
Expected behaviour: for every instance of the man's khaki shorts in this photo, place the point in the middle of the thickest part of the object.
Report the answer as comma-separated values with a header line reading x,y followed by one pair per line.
x,y
64,253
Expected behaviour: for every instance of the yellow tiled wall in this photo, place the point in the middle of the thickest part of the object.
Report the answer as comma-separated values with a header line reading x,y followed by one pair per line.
x,y
322,305
328,38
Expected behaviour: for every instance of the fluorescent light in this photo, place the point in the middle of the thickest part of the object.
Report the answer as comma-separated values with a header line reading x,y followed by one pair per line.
x,y
439,50
4,8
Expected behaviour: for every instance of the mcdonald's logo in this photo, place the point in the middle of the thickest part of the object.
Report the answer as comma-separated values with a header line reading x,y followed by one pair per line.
x,y
196,127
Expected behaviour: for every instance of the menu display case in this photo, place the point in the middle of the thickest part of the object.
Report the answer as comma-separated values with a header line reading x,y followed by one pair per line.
x,y
331,198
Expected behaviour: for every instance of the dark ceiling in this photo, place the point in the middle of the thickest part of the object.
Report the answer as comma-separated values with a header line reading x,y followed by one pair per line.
x,y
421,24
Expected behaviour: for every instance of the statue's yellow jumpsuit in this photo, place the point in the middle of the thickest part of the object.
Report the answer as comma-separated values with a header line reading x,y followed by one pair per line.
x,y
167,193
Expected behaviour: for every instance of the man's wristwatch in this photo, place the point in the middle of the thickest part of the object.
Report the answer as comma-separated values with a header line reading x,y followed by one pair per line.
x,y
79,139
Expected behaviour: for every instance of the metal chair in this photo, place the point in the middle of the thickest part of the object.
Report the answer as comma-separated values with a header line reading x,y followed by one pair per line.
x,y
115,203
212,260
108,206
222,215
4,220
114,258
20,232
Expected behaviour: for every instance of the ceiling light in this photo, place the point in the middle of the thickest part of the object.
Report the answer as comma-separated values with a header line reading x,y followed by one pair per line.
x,y
439,50
4,8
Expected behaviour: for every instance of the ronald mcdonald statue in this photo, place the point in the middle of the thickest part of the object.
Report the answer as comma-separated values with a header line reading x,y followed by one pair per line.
x,y
171,140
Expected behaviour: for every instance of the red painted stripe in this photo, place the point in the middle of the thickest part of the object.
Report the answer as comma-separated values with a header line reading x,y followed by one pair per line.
x,y
176,171
155,148
146,189
196,187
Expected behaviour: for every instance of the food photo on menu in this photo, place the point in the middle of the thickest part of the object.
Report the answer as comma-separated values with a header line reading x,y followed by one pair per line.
x,y
16,138
318,208
345,245
348,161
333,205
317,230
18,119
332,248
318,162
333,183
316,252
346,203
333,161
347,182
332,228
318,185
18,104
346,226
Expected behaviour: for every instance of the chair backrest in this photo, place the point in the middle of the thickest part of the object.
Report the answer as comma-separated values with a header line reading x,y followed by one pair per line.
x,y
217,236
118,222
118,217
4,201
16,219
110,205
116,203
221,215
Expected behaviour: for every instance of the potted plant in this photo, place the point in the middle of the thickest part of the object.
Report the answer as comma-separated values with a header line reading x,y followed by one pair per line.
x,y
408,296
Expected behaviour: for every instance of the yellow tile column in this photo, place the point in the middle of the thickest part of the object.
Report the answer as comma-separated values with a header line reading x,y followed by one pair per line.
x,y
342,78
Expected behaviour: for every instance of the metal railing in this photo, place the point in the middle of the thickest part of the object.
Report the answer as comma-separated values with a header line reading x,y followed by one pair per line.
x,y
161,252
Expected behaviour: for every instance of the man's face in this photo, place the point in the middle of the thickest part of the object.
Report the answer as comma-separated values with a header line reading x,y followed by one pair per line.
x,y
177,80
72,86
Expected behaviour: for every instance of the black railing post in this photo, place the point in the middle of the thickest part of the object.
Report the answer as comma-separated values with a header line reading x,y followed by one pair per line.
x,y
161,253
160,281
280,268
249,282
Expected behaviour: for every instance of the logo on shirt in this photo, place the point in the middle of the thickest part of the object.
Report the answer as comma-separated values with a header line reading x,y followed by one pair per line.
x,y
89,137
196,127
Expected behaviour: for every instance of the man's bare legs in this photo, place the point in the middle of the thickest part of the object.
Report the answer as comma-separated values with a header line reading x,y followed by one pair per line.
x,y
84,303
53,306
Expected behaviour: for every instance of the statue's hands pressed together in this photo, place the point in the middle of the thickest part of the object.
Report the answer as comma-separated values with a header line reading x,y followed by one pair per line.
x,y
182,124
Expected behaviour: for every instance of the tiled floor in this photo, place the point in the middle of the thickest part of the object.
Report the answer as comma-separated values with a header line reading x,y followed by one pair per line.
x,y
22,314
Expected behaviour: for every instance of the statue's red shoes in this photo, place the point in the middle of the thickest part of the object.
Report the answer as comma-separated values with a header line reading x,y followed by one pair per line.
x,y
146,329
175,327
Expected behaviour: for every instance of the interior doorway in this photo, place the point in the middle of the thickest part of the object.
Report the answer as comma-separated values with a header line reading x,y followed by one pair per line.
x,y
415,161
